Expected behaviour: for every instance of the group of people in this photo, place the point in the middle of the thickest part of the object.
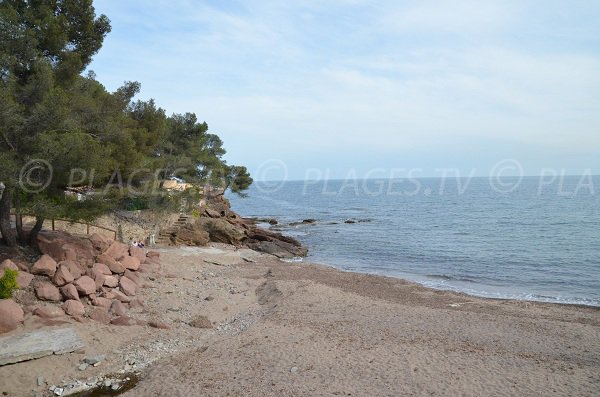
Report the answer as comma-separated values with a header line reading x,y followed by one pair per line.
x,y
138,244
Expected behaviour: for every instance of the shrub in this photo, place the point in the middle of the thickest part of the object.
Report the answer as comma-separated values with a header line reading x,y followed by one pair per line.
x,y
8,283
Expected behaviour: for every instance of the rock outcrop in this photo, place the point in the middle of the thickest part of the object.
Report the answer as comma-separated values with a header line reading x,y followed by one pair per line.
x,y
218,223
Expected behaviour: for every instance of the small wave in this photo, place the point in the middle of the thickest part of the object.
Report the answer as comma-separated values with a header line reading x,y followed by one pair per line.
x,y
451,278
296,259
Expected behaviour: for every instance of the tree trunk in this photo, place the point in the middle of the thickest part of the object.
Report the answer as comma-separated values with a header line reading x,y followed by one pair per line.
x,y
39,223
19,221
10,239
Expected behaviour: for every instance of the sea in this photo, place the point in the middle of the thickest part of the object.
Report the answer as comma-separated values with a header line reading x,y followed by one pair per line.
x,y
524,238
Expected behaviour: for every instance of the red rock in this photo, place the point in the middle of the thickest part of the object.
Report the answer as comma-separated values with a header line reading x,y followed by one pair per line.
x,y
8,264
24,279
133,276
153,254
99,314
130,262
22,265
62,276
138,253
121,296
111,281
75,268
158,324
118,308
127,286
69,291
152,260
145,268
47,291
11,315
85,285
102,268
62,246
99,278
74,308
125,320
45,266
48,311
117,250
113,265
100,242
102,302
136,303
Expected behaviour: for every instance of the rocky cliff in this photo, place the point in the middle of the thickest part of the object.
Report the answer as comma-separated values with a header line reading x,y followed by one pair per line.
x,y
216,222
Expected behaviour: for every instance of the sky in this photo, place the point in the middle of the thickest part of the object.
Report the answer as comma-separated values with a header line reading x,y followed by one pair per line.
x,y
325,89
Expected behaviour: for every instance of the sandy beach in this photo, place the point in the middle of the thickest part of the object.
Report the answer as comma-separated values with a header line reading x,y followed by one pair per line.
x,y
295,329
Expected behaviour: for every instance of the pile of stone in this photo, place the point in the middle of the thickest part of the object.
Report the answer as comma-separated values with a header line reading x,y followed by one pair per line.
x,y
95,278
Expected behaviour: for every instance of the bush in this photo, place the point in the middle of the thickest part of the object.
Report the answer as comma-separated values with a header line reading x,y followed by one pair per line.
x,y
8,283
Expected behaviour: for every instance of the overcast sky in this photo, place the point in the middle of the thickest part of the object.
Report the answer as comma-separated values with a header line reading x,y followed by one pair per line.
x,y
352,86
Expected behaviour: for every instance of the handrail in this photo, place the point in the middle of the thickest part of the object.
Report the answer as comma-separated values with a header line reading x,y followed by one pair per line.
x,y
71,221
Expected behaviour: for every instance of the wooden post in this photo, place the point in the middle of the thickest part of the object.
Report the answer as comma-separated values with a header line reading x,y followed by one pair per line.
x,y
88,228
52,224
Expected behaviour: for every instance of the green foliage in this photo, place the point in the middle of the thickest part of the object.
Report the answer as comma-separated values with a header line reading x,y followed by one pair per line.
x,y
8,283
89,136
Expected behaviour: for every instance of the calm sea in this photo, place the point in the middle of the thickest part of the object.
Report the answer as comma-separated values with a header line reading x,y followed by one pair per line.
x,y
521,238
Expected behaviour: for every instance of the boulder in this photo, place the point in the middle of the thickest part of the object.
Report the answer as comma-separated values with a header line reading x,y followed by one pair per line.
x,y
130,262
45,266
48,311
111,281
74,308
8,264
153,254
62,276
221,231
69,292
99,278
280,249
127,286
47,291
100,242
102,268
187,235
63,246
75,268
137,252
102,302
24,279
118,308
117,250
113,265
133,276
11,315
100,314
85,285
118,295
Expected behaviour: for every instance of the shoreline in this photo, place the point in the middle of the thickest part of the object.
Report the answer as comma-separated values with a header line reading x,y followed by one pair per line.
x,y
450,289
301,329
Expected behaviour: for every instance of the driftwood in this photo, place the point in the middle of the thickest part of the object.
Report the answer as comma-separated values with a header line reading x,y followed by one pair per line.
x,y
32,345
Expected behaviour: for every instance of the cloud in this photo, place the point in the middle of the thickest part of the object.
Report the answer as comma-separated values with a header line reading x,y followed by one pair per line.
x,y
367,77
